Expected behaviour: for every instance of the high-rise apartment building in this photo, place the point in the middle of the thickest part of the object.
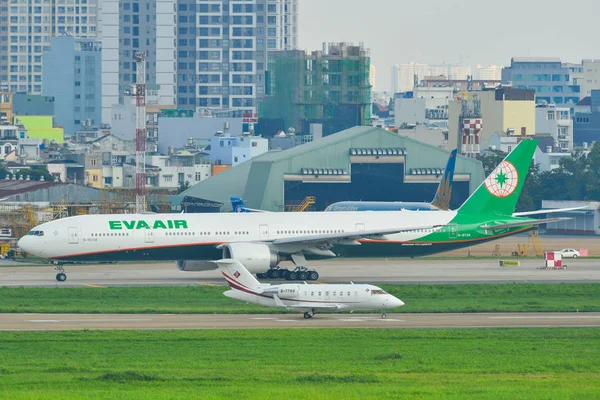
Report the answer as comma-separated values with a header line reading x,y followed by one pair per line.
x,y
26,30
128,27
552,82
71,75
222,49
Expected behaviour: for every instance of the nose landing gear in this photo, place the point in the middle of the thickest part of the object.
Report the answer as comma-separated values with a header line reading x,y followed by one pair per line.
x,y
384,313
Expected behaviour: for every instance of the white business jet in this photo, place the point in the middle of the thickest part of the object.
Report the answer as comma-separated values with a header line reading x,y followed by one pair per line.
x,y
304,297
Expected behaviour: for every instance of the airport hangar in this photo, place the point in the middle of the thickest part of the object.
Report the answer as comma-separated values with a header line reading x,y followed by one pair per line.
x,y
360,164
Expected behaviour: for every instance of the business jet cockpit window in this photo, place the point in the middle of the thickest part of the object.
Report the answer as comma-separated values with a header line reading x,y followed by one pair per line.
x,y
36,233
377,292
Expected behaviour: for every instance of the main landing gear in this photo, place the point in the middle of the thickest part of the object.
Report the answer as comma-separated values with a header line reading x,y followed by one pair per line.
x,y
61,276
301,273
309,314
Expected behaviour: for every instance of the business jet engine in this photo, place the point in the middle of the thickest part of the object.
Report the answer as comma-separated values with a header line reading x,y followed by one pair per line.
x,y
196,265
256,257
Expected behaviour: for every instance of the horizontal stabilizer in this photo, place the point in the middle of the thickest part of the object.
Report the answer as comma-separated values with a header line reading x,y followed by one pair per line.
x,y
553,210
534,222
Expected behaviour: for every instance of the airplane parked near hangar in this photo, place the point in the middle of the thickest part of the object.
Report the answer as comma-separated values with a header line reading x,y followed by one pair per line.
x,y
307,298
441,200
260,241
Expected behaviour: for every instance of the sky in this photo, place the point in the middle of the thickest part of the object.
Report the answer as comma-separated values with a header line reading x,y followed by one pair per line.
x,y
453,31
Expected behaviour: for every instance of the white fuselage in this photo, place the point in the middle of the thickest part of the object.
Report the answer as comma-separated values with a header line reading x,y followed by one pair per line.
x,y
124,237
333,297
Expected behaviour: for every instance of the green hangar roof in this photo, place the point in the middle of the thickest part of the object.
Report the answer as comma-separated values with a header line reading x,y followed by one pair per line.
x,y
260,181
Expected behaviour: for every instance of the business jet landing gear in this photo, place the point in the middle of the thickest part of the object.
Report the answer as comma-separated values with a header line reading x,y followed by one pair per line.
x,y
309,314
383,313
61,276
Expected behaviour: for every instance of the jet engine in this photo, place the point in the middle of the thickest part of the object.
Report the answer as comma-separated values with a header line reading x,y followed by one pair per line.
x,y
256,257
196,265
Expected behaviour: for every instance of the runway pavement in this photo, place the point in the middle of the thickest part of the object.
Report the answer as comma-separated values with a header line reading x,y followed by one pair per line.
x,y
24,322
378,271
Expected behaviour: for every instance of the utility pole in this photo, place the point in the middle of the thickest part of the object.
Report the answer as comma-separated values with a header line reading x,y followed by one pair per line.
x,y
140,133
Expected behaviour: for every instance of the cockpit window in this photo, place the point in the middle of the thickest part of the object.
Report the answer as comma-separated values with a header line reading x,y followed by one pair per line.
x,y
36,233
377,292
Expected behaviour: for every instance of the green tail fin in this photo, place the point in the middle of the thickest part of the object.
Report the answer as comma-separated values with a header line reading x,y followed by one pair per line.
x,y
499,193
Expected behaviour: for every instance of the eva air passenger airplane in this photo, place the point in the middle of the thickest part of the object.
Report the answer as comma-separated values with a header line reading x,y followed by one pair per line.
x,y
261,240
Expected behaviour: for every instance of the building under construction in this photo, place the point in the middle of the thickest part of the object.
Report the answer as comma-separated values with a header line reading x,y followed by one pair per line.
x,y
329,87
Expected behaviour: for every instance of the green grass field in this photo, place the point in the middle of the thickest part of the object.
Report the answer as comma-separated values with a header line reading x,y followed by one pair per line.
x,y
302,364
203,299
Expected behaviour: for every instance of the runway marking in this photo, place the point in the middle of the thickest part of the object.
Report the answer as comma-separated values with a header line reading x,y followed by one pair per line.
x,y
264,318
370,319
91,320
549,317
94,286
208,284
287,320
43,320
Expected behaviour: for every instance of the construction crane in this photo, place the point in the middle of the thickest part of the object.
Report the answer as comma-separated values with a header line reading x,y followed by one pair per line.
x,y
140,132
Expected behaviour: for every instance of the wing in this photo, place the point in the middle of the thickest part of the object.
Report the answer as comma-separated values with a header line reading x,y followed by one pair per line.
x,y
554,210
535,222
322,307
329,237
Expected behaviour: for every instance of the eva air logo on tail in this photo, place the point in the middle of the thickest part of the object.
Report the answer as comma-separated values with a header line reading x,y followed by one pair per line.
x,y
503,180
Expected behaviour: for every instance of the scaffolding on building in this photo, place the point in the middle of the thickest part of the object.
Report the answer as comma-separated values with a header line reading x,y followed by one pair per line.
x,y
331,87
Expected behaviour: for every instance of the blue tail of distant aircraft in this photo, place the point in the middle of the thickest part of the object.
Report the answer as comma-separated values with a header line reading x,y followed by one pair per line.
x,y
444,191
238,205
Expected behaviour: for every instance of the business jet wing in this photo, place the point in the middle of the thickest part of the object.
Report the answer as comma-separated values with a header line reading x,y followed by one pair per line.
x,y
316,307
553,210
280,304
330,237
534,222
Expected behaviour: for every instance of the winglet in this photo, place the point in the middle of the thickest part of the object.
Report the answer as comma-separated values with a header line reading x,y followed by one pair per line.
x,y
278,302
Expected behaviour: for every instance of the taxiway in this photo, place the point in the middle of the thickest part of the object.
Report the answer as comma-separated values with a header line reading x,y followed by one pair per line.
x,y
26,322
378,271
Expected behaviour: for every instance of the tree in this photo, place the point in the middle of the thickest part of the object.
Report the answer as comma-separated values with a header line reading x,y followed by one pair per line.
x,y
183,187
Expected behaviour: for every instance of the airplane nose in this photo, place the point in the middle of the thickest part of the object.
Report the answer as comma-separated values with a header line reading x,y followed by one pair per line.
x,y
396,302
25,244
22,243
